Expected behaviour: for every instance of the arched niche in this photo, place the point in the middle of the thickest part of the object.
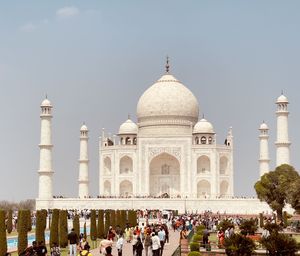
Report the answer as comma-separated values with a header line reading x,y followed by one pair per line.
x,y
107,188
126,188
107,165
164,171
203,164
126,165
224,188
203,188
223,165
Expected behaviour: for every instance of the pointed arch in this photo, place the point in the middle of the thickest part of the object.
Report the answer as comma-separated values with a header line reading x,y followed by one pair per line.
x,y
126,165
126,188
107,188
107,165
224,186
203,164
203,188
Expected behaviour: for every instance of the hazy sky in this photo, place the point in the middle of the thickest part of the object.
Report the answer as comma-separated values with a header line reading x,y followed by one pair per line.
x,y
94,59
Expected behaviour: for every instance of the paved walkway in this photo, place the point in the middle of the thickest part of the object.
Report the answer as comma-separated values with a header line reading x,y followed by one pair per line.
x,y
127,248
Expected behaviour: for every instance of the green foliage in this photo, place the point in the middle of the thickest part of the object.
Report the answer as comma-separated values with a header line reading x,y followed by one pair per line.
x,y
261,220
9,222
193,253
76,225
294,195
22,231
3,241
28,217
248,227
63,228
197,238
224,224
107,221
93,232
41,222
84,231
100,224
272,227
239,245
123,219
200,229
280,244
54,227
285,219
194,246
274,187
113,218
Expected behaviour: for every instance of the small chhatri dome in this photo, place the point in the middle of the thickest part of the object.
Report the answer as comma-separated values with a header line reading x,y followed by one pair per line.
x,y
84,128
46,103
282,99
263,126
128,127
203,126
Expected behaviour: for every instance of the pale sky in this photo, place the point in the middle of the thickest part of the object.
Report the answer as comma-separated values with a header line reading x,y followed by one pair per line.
x,y
94,59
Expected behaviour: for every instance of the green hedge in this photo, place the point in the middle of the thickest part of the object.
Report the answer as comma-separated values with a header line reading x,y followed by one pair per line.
x,y
63,228
22,232
93,232
194,253
9,222
54,227
76,225
107,222
41,222
197,238
100,224
194,246
3,240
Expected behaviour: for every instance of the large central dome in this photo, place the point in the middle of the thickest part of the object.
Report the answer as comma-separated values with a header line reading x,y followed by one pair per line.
x,y
167,102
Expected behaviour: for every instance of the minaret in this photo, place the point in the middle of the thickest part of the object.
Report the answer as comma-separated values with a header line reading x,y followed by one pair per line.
x,y
45,172
264,161
282,143
83,180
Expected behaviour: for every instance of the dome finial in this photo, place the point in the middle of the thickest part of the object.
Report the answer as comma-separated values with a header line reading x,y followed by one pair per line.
x,y
46,96
128,116
281,92
167,64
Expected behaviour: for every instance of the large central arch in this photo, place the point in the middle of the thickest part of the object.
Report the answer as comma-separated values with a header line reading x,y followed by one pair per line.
x,y
164,171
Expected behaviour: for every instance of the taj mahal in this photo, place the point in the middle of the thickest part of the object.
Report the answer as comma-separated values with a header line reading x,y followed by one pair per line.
x,y
169,159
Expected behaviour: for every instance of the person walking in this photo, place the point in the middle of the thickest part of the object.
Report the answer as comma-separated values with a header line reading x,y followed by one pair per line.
x,y
162,237
155,244
139,247
73,241
120,243
147,244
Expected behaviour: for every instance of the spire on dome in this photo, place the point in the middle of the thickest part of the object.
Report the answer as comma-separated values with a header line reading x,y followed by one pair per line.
x,y
167,65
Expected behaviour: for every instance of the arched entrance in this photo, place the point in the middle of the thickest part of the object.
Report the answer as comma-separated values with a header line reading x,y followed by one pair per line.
x,y
126,188
203,188
107,188
164,177
224,188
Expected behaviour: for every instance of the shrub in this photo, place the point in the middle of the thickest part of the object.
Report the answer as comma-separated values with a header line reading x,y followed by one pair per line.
x,y
197,238
9,222
200,228
22,232
194,253
100,224
248,227
280,244
3,241
239,245
224,224
41,222
76,225
63,228
54,227
194,246
93,232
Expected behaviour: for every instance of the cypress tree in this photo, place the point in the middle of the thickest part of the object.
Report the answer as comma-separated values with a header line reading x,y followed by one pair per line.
x,y
107,221
3,241
123,219
113,218
93,232
63,228
261,220
41,223
100,224
22,232
132,218
84,230
118,218
9,222
28,217
76,224
54,227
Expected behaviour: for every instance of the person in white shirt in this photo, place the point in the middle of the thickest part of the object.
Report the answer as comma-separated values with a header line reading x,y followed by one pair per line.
x,y
162,237
120,243
155,244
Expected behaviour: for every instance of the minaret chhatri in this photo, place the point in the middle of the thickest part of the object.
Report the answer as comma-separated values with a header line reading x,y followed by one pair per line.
x,y
83,180
45,172
282,143
264,160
